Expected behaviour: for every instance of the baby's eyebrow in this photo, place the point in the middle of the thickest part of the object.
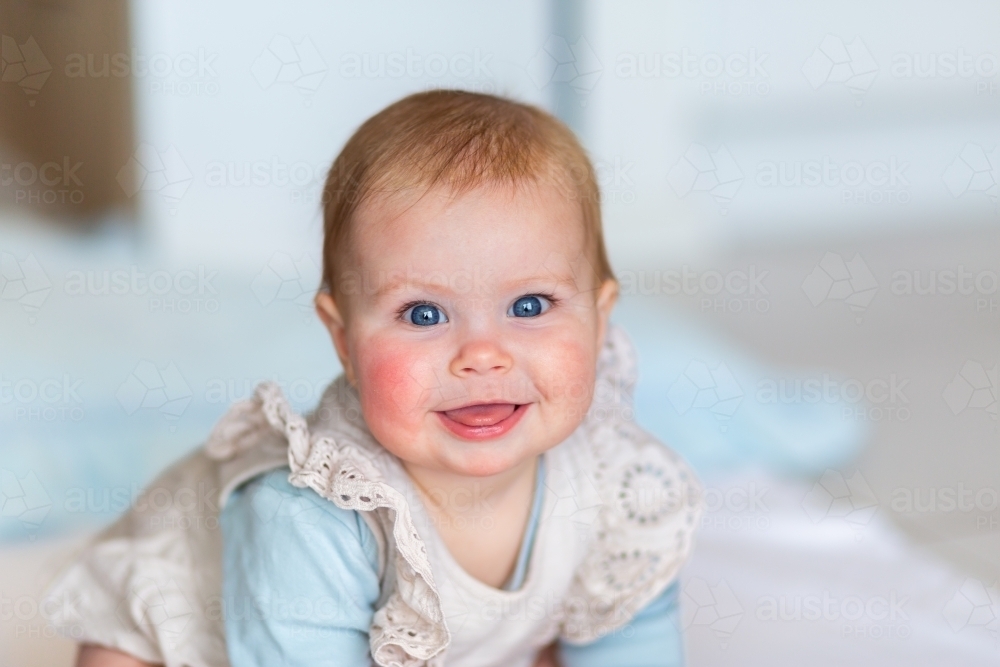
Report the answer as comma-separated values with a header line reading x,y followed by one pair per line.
x,y
386,288
464,283
548,279
394,286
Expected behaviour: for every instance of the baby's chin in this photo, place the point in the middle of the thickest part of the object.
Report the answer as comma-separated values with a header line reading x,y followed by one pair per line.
x,y
476,461
445,453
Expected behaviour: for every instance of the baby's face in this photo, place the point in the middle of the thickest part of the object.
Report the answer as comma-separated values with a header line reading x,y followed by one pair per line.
x,y
470,325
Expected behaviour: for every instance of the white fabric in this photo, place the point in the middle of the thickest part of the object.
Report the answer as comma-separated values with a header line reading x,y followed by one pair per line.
x,y
773,582
616,525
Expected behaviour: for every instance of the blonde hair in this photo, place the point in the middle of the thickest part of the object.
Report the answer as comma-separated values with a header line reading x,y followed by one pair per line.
x,y
463,141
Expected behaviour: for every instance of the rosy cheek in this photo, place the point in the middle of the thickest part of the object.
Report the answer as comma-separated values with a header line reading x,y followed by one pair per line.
x,y
569,372
393,385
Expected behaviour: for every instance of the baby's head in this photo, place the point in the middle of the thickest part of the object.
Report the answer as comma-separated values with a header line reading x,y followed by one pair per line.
x,y
465,281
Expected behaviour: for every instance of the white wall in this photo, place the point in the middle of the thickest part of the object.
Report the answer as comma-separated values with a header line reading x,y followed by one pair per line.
x,y
790,111
775,114
241,109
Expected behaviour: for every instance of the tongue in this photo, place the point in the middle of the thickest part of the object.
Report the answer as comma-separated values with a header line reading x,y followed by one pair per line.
x,y
482,415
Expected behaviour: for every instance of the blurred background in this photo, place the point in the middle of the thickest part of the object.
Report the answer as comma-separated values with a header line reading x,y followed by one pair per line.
x,y
801,205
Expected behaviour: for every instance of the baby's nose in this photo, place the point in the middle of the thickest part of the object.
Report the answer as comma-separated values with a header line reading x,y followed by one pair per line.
x,y
480,357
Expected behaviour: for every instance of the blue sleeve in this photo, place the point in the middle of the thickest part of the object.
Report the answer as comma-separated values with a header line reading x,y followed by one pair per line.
x,y
652,639
300,578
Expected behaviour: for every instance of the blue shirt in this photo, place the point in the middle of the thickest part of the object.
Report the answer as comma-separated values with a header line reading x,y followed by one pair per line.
x,y
300,583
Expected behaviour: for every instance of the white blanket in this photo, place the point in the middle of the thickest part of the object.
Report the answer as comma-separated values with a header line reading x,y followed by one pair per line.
x,y
791,573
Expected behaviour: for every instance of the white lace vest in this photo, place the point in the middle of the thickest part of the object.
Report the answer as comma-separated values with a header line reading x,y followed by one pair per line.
x,y
615,527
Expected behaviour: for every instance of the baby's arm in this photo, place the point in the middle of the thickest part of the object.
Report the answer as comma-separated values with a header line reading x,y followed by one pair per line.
x,y
300,578
654,639
91,655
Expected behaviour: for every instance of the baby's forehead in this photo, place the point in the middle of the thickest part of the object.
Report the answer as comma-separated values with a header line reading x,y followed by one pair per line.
x,y
497,236
541,212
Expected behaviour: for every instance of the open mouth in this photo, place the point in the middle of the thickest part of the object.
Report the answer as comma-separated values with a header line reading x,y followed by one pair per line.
x,y
483,421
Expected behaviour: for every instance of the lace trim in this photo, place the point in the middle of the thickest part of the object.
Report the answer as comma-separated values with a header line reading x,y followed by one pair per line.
x,y
643,532
650,504
409,630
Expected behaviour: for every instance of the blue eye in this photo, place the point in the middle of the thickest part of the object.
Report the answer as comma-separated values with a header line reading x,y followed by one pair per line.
x,y
426,315
529,306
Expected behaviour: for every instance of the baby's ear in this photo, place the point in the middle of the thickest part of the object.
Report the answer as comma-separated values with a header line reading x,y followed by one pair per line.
x,y
607,296
333,320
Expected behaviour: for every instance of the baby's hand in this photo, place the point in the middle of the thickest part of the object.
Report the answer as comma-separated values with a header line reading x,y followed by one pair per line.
x,y
547,658
91,655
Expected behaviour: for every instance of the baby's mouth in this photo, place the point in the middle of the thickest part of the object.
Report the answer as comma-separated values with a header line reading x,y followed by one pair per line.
x,y
486,414
483,421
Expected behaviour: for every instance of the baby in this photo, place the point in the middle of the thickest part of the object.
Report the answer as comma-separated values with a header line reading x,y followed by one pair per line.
x,y
472,490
